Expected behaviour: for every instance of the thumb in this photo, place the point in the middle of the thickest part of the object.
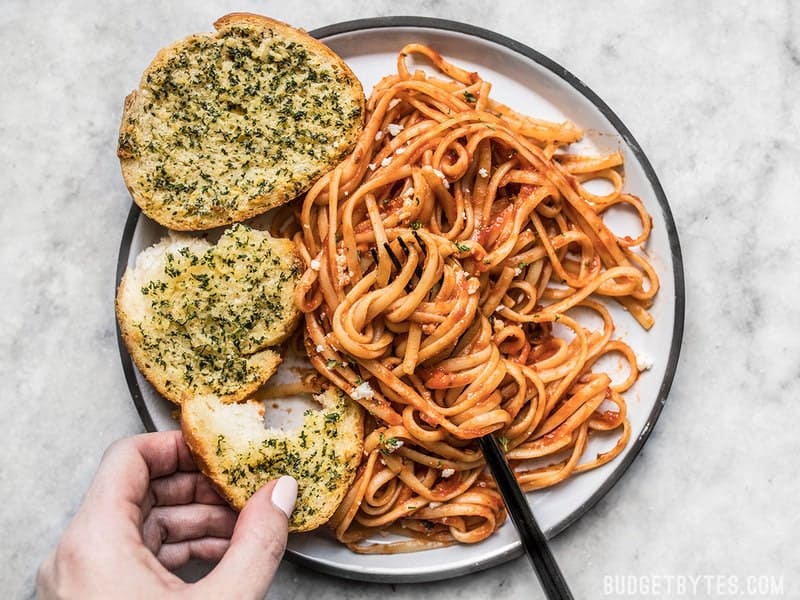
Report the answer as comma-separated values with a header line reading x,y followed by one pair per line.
x,y
257,544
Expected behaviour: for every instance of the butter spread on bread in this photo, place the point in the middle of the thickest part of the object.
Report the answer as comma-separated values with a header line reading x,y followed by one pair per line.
x,y
227,125
235,451
199,318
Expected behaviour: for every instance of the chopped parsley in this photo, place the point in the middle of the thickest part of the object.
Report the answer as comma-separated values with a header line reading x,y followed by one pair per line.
x,y
199,330
316,457
276,106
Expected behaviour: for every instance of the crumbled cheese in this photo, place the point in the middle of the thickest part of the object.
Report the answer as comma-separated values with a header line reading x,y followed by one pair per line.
x,y
386,161
499,323
362,392
448,473
394,129
315,264
517,272
499,308
394,102
341,269
441,176
379,136
393,444
372,166
400,150
409,192
320,348
644,362
483,172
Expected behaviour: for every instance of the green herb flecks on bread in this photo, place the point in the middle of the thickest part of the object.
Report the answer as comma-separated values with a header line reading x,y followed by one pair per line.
x,y
236,452
199,318
227,125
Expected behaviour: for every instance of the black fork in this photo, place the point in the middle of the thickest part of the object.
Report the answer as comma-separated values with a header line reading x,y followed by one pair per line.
x,y
533,540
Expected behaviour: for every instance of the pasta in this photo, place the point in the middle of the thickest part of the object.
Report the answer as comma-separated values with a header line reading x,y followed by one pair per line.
x,y
447,257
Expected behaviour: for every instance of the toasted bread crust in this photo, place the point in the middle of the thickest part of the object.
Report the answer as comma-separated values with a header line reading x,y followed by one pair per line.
x,y
207,141
232,448
167,344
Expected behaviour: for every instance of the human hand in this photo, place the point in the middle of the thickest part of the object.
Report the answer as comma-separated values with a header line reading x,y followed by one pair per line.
x,y
149,510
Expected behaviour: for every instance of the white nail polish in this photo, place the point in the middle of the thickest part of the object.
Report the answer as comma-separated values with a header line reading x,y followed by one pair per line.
x,y
284,494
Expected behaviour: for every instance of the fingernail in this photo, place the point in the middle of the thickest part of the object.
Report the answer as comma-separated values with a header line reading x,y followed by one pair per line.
x,y
284,494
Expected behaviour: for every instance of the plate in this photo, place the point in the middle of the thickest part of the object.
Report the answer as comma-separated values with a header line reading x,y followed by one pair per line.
x,y
533,84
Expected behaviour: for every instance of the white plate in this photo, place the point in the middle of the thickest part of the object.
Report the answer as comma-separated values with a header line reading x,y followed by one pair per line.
x,y
533,84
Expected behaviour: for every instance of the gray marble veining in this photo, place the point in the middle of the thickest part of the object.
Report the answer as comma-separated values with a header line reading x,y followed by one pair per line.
x,y
710,91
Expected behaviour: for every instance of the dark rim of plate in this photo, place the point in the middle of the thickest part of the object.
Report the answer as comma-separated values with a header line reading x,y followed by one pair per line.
x,y
677,262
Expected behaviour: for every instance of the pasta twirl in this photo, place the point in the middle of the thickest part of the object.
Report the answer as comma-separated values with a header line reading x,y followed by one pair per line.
x,y
474,331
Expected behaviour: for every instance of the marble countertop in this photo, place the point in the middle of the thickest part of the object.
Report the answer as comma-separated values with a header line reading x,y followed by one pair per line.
x,y
710,91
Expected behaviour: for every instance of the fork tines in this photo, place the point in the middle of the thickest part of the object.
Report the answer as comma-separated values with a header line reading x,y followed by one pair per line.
x,y
396,261
418,268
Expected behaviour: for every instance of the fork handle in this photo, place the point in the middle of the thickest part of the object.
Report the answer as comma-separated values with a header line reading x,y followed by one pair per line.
x,y
533,540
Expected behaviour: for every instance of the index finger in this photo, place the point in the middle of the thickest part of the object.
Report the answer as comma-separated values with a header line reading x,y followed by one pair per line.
x,y
129,464
164,452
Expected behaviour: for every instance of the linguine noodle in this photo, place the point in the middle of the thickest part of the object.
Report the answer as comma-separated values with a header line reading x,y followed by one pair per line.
x,y
447,258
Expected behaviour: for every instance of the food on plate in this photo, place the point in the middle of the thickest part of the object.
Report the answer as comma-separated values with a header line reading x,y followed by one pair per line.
x,y
226,125
452,259
457,282
239,455
201,318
